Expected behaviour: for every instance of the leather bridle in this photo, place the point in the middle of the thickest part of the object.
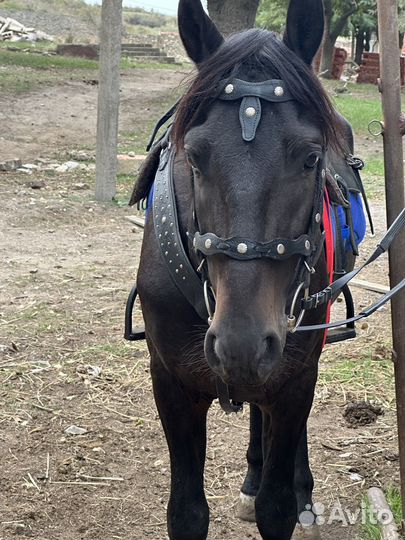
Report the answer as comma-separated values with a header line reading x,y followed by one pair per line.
x,y
308,246
194,282
195,286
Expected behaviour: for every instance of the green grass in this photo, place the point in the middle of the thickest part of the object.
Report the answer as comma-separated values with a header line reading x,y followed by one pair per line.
x,y
371,531
37,46
39,61
394,500
361,371
136,140
119,349
369,377
77,8
125,183
359,111
375,166
33,70
373,177
360,104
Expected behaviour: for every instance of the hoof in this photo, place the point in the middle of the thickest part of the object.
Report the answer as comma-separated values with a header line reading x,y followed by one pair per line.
x,y
246,508
306,533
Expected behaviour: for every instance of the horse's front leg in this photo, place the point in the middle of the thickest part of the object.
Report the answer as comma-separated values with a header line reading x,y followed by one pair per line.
x,y
184,423
253,478
303,479
283,428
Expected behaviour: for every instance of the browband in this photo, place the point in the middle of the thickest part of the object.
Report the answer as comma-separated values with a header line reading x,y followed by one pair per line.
x,y
274,90
250,93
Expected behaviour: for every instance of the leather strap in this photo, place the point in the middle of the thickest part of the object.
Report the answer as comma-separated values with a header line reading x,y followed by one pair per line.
x,y
334,288
169,238
227,404
362,315
160,123
274,90
244,249
250,113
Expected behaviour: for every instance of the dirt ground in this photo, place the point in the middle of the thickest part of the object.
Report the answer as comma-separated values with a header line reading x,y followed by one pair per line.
x,y
68,263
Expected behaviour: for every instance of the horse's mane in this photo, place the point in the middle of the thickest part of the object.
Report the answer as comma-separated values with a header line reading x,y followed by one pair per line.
x,y
261,54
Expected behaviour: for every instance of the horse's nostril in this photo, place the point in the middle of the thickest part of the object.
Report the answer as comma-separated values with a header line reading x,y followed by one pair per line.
x,y
210,341
273,346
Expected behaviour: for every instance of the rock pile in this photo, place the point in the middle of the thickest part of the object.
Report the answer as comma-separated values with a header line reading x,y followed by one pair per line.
x,y
12,30
46,165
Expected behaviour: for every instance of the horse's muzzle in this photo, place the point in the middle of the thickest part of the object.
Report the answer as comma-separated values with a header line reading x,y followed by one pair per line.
x,y
242,358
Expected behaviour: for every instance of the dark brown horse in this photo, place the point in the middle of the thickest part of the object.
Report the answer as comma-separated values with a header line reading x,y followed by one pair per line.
x,y
246,162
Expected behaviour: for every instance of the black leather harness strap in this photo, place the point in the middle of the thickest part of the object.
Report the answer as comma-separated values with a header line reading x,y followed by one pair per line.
x,y
244,249
169,238
362,315
250,93
273,90
161,123
334,288
227,404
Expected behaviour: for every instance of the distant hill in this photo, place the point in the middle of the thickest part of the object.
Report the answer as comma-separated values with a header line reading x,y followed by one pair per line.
x,y
76,21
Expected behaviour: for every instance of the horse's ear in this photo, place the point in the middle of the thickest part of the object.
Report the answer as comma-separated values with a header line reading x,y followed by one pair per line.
x,y
305,26
198,33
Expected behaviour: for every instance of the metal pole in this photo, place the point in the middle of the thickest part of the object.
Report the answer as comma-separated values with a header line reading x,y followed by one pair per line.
x,y
108,99
390,88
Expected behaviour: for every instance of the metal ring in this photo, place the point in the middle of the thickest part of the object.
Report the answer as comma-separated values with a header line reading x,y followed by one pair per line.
x,y
292,322
207,300
310,269
380,127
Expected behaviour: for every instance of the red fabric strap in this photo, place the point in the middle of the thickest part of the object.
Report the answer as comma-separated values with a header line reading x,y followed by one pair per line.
x,y
329,247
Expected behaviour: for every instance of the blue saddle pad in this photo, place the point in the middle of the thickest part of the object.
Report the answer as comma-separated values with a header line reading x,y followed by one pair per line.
x,y
359,222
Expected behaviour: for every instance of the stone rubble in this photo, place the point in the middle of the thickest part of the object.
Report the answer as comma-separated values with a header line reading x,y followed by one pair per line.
x,y
80,160
12,30
44,165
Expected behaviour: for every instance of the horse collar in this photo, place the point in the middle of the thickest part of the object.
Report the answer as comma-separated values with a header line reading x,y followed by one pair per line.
x,y
250,110
168,234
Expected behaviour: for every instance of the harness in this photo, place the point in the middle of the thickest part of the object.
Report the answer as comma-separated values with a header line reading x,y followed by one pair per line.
x,y
194,282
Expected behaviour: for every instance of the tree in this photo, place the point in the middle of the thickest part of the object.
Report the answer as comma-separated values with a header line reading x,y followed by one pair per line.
x,y
337,13
233,15
363,23
272,15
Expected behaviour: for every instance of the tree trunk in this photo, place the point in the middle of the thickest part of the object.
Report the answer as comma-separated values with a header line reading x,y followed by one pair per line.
x,y
233,15
333,28
327,58
367,39
359,46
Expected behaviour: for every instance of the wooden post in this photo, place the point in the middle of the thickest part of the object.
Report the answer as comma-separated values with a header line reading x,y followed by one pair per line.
x,y
108,99
395,199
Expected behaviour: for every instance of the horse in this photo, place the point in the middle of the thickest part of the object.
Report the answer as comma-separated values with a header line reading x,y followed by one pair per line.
x,y
233,243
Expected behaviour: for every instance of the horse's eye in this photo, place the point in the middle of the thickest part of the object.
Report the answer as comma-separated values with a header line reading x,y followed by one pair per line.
x,y
312,160
190,161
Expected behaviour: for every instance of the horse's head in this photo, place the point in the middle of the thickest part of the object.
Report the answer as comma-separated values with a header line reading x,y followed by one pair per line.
x,y
256,152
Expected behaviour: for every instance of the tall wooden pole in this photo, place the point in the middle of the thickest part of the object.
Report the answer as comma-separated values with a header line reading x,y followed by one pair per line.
x,y
395,198
108,99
